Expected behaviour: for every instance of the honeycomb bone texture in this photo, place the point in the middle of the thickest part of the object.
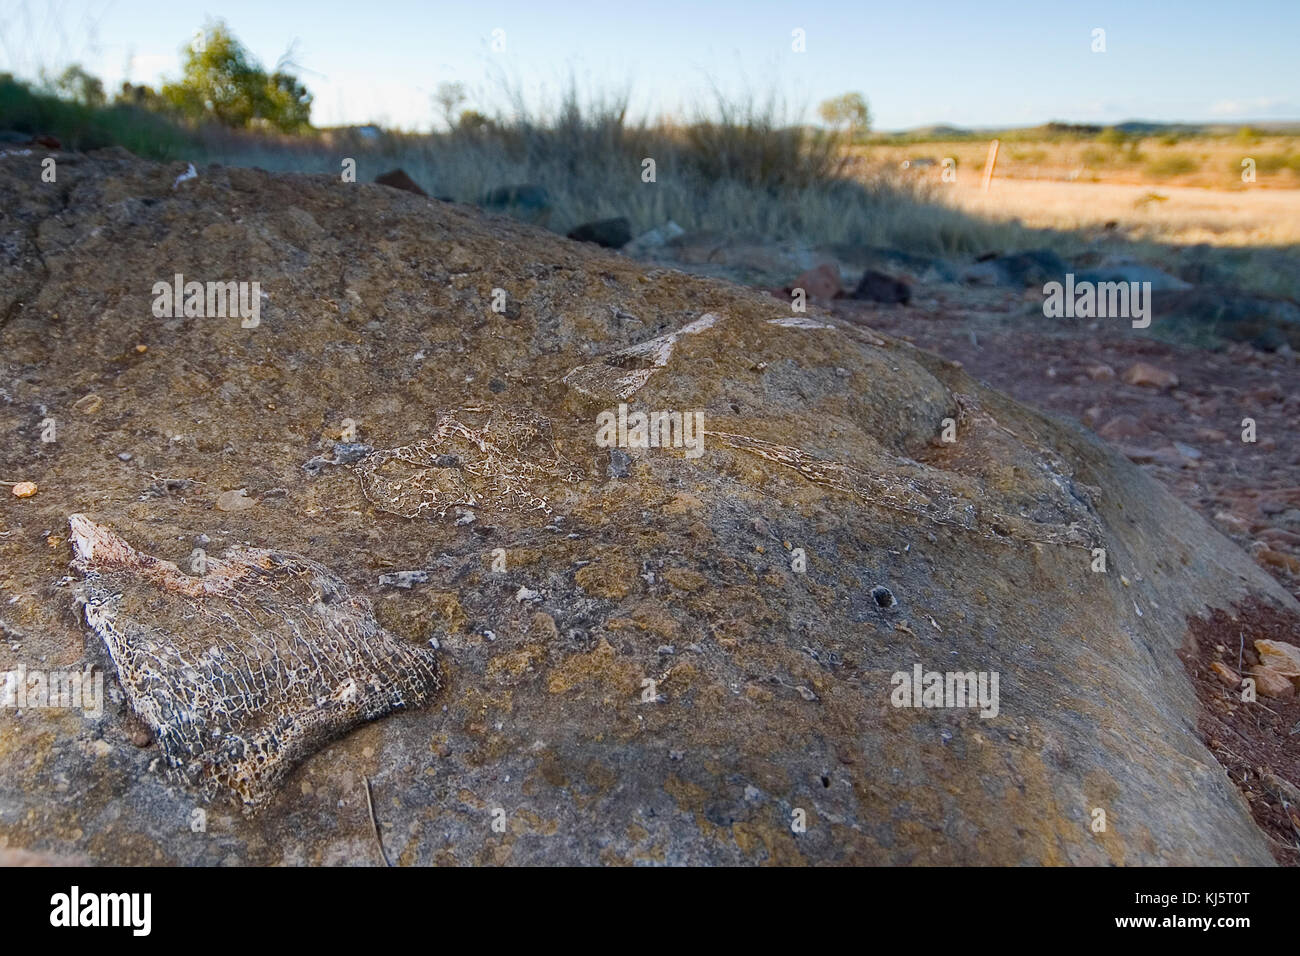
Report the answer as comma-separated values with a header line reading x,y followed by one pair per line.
x,y
502,465
245,670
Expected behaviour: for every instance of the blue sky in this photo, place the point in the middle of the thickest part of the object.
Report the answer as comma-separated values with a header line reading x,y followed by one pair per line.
x,y
985,63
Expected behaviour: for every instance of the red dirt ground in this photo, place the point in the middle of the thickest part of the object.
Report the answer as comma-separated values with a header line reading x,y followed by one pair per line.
x,y
1250,492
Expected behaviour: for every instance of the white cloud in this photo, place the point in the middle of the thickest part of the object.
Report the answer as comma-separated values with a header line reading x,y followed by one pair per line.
x,y
1260,106
148,67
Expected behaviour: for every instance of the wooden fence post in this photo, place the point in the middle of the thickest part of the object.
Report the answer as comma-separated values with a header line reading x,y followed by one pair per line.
x,y
990,163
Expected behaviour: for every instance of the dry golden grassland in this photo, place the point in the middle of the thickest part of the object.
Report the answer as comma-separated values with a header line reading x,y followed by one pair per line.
x,y
1182,215
1210,161
1162,190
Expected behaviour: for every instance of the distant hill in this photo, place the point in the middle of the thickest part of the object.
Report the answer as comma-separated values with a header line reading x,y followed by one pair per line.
x,y
943,131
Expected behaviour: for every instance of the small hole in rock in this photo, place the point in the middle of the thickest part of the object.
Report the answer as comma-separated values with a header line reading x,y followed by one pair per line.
x,y
826,782
883,597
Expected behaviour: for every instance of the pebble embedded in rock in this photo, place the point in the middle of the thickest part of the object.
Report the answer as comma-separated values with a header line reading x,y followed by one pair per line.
x,y
620,463
347,453
404,579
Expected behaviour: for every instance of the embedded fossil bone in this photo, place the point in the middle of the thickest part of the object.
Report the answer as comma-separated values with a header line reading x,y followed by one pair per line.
x,y
496,467
622,373
245,670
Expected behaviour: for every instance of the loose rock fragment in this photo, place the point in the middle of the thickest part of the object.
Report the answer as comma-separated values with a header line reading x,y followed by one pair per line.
x,y
236,500
1281,657
1271,683
1227,676
1149,376
89,404
242,672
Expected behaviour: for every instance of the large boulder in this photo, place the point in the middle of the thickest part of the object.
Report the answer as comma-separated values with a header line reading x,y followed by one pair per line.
x,y
611,233
876,286
724,654
1018,269
399,179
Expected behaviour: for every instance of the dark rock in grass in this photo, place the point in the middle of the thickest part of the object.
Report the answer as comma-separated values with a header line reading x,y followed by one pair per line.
x,y
1035,267
397,179
914,266
1016,270
610,233
13,137
531,203
877,287
1265,322
1160,280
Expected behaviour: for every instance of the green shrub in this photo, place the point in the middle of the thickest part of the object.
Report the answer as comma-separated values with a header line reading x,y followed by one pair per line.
x,y
1176,164
1095,158
83,127
1274,162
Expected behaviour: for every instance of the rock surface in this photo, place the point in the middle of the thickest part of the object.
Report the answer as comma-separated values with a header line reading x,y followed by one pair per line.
x,y
672,666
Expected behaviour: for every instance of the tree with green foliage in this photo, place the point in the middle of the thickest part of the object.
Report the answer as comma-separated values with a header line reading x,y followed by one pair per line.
x,y
223,82
449,97
80,87
142,96
472,121
850,111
